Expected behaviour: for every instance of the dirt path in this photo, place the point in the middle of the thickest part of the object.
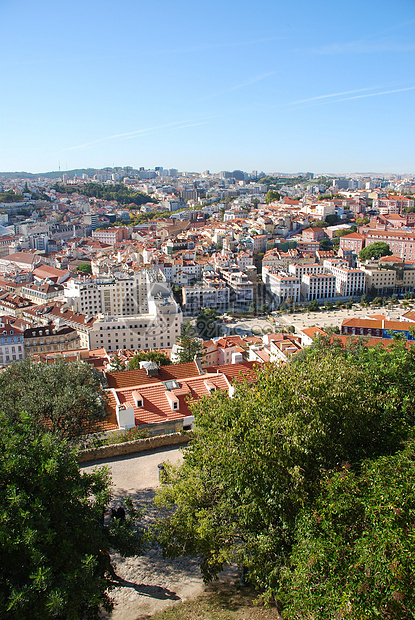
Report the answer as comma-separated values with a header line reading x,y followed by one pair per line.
x,y
150,583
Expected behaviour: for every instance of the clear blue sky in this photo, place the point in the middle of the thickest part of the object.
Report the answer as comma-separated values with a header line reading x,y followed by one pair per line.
x,y
268,85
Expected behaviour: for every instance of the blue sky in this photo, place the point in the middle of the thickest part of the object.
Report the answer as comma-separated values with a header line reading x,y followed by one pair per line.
x,y
267,85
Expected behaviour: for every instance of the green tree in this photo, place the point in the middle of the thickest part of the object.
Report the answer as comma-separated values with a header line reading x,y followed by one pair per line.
x,y
259,458
375,250
356,536
360,221
206,324
271,196
326,245
65,397
190,345
116,364
84,267
149,356
314,306
53,545
332,219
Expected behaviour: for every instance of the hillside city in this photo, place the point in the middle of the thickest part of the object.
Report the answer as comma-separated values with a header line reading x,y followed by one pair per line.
x,y
236,349
102,265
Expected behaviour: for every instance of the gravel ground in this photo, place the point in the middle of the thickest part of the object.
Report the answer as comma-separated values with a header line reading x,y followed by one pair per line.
x,y
150,582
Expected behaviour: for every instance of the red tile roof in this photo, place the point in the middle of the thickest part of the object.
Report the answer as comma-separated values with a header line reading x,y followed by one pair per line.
x,y
156,403
128,378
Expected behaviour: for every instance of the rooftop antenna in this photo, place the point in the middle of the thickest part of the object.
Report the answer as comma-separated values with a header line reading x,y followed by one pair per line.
x,y
59,166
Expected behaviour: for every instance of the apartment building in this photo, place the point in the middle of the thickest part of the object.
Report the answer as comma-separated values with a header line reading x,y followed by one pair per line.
x,y
319,286
111,236
280,285
299,270
242,289
121,296
11,341
42,293
353,242
349,282
197,297
401,243
48,339
388,276
157,328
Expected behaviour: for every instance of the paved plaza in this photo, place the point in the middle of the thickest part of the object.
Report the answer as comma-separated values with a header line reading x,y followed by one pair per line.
x,y
322,318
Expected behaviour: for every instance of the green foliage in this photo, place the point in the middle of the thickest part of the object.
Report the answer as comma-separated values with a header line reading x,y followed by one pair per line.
x,y
332,219
314,306
116,364
326,245
54,549
84,267
260,459
206,324
375,250
65,397
343,232
360,221
10,196
119,192
271,196
150,356
356,536
189,343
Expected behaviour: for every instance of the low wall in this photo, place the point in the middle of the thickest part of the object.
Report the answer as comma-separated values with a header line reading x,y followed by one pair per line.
x,y
129,447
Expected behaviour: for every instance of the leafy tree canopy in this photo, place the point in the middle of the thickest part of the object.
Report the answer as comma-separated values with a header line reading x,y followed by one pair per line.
x,y
84,267
360,221
53,545
149,356
190,345
259,460
206,324
65,397
375,250
272,195
118,192
11,196
357,537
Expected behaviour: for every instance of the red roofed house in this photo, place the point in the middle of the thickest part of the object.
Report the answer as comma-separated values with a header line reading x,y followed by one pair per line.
x,y
157,398
313,234
354,242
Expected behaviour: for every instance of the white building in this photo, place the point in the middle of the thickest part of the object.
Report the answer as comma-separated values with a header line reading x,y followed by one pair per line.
x,y
158,327
197,297
281,285
319,286
349,282
116,296
299,270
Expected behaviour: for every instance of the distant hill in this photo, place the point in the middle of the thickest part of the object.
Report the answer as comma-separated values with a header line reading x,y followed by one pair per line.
x,y
56,174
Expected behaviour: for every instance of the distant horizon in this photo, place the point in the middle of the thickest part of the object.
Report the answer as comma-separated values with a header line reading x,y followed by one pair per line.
x,y
265,172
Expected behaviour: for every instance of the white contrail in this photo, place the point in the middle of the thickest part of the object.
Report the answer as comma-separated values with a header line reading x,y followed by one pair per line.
x,y
313,102
231,89
137,132
346,92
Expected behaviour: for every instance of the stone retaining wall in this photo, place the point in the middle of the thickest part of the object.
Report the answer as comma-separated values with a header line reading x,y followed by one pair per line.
x,y
129,447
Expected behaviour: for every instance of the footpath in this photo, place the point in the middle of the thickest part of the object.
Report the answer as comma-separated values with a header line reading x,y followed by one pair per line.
x,y
150,582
